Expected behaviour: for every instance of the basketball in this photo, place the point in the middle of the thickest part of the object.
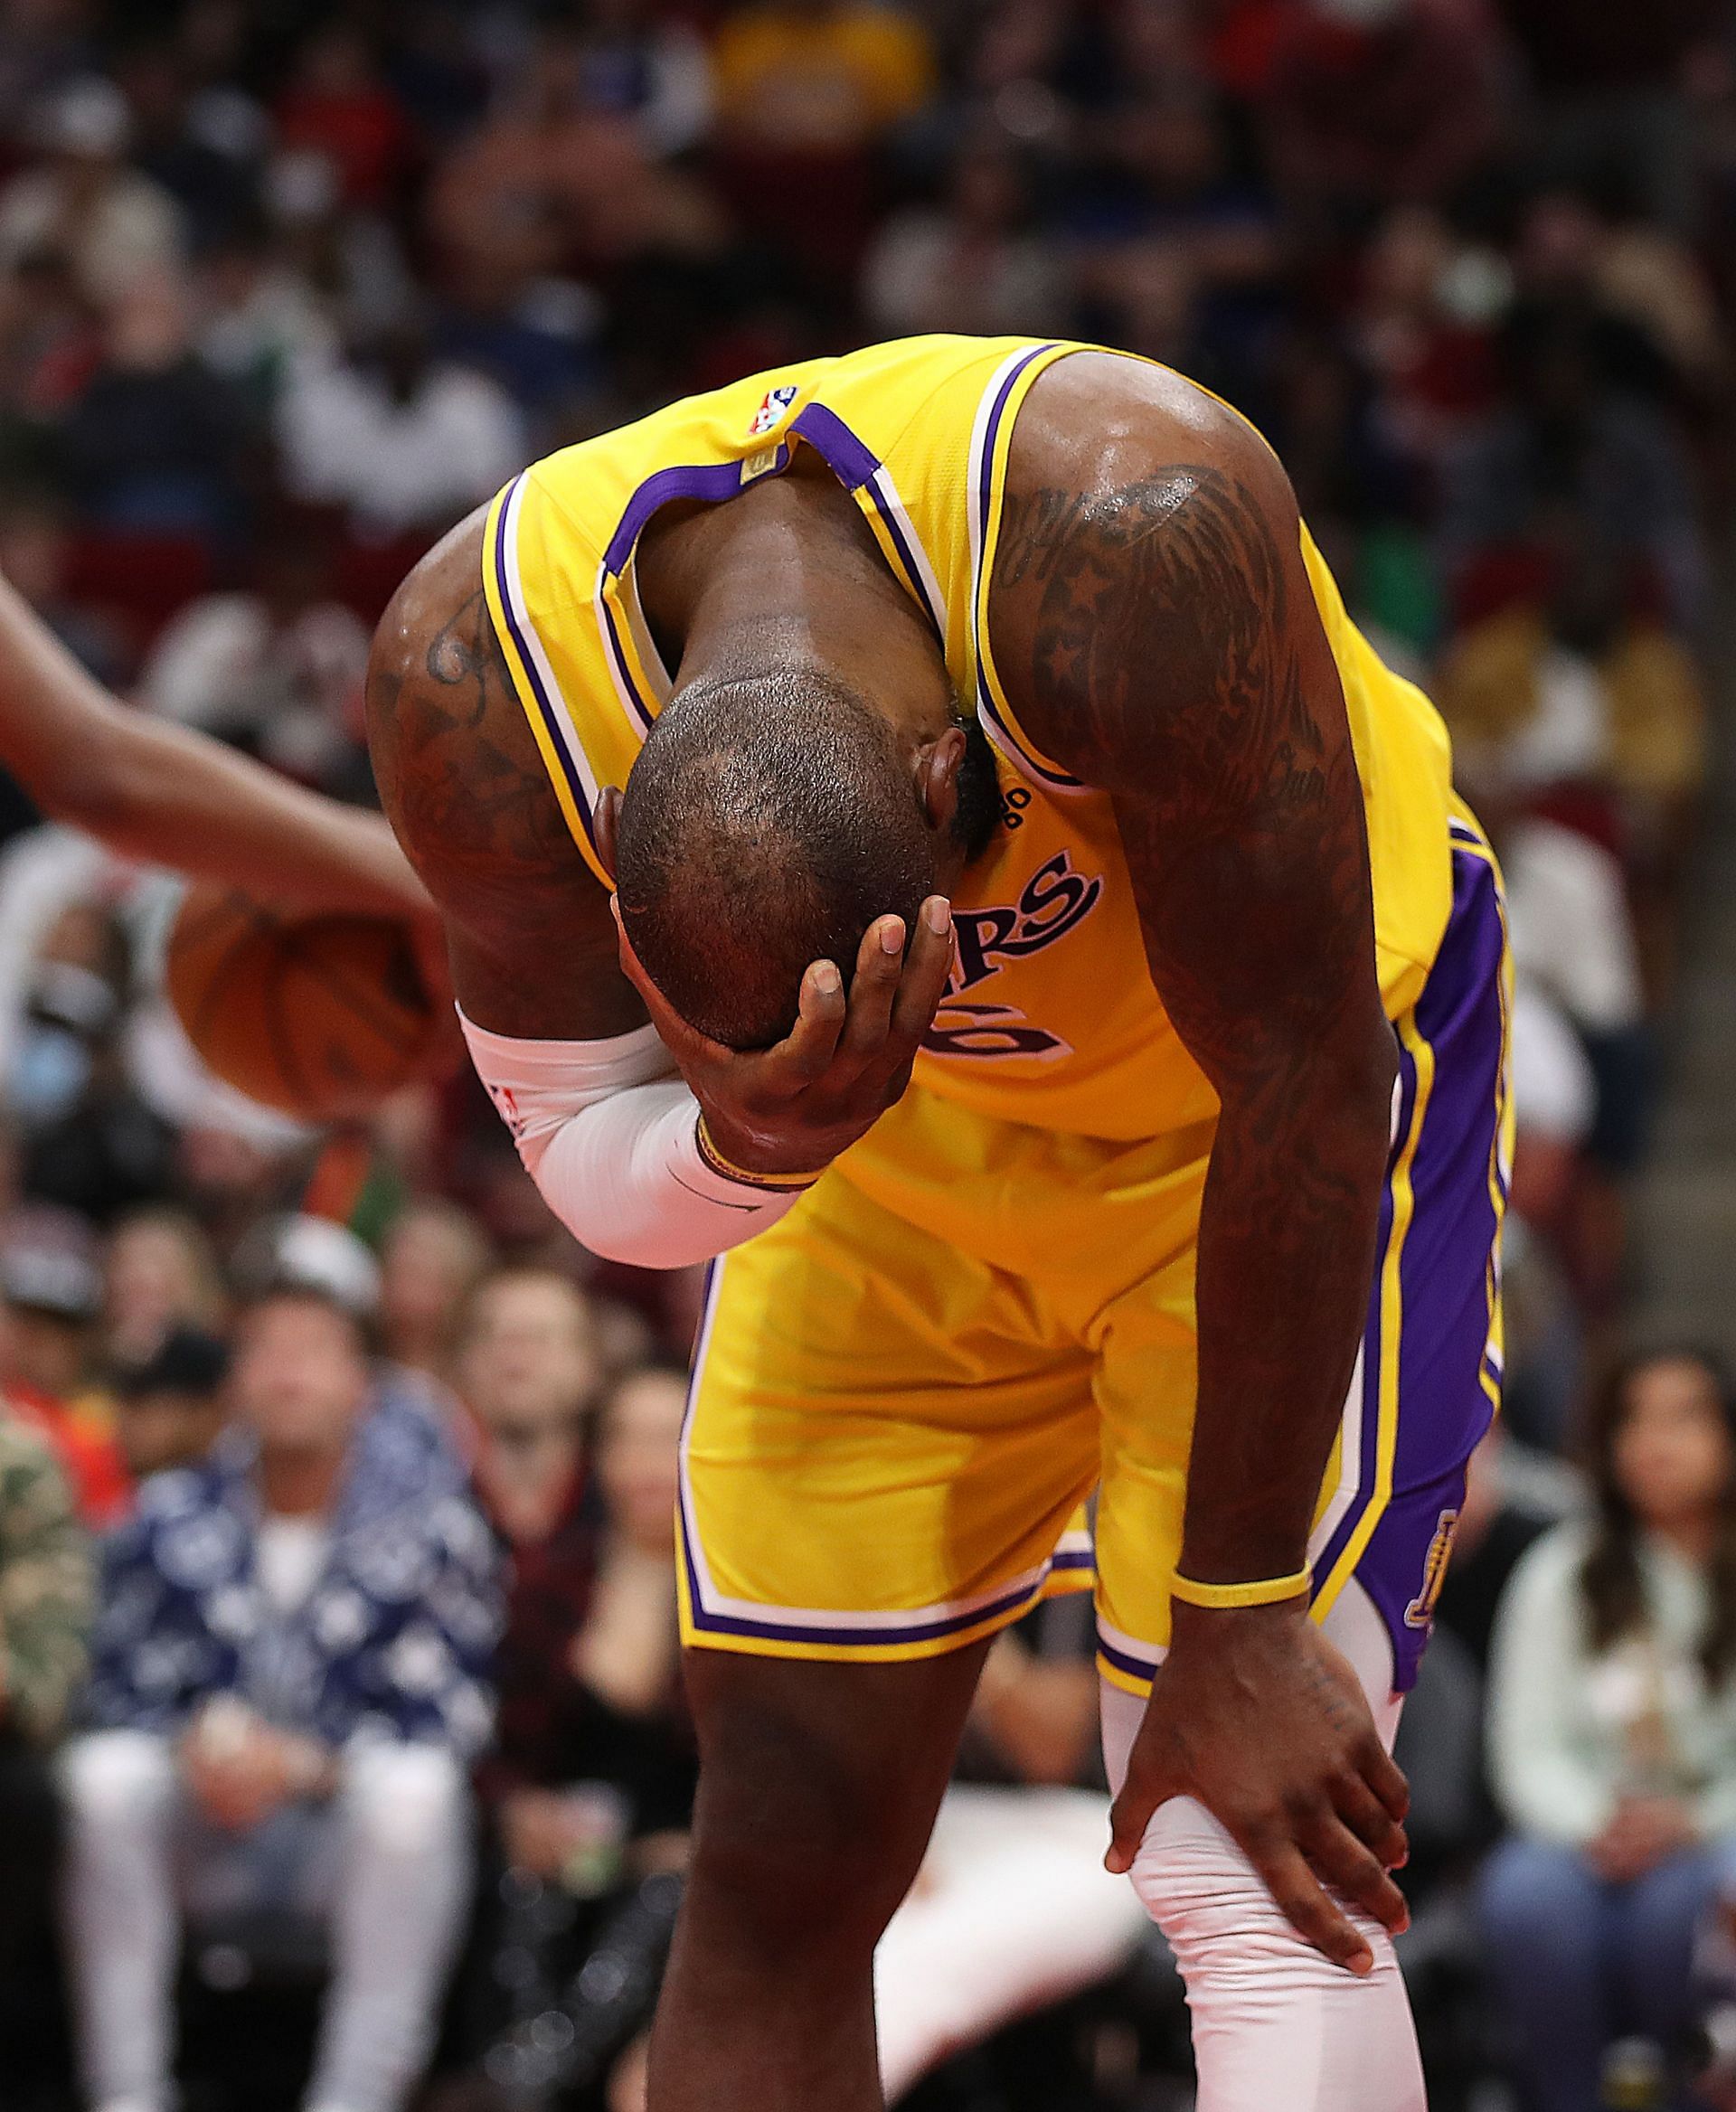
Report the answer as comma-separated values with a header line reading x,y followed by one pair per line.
x,y
322,1016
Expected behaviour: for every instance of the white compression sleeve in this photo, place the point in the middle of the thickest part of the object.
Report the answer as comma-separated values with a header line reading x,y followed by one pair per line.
x,y
609,1134
1277,2028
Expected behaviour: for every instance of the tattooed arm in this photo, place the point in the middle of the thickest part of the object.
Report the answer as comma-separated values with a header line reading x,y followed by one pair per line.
x,y
1155,627
529,932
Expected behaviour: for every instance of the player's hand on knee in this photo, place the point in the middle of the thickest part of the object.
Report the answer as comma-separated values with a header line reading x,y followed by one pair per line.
x,y
1259,1718
793,1107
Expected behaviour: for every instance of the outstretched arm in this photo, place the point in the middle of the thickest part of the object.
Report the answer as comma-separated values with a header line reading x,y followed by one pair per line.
x,y
174,798
1154,615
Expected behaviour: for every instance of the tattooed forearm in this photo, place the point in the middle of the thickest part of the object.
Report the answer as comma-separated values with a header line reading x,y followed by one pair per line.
x,y
1165,646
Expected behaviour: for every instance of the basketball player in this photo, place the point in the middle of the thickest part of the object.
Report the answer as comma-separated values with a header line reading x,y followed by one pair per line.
x,y
174,798
1056,988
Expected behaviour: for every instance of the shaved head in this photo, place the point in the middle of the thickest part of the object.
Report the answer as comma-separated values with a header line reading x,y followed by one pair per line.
x,y
767,821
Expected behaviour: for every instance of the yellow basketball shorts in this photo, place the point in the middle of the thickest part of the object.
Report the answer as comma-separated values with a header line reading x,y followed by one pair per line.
x,y
907,1390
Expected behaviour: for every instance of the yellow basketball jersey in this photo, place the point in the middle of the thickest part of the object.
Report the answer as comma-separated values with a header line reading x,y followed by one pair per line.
x,y
1051,1018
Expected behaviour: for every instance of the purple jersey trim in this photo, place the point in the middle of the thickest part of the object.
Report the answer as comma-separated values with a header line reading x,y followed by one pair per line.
x,y
527,660
712,483
856,466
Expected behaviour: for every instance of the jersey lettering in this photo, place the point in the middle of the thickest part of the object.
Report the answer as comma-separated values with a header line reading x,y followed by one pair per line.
x,y
1053,902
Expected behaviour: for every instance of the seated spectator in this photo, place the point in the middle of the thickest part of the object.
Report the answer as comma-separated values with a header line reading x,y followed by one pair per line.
x,y
430,1261
170,1410
44,1616
275,667
404,442
114,224
1372,102
160,1273
49,1295
1613,1734
153,445
1579,681
972,262
289,1682
591,1781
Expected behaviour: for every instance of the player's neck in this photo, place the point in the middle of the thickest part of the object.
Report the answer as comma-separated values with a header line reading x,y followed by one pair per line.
x,y
790,572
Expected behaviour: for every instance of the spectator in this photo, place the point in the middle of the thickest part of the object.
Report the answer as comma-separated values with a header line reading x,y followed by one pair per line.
x,y
431,1262
404,443
1379,102
160,1273
592,1779
277,668
290,1670
337,106
973,263
170,1410
44,1615
154,445
50,1295
115,225
1613,1734
818,75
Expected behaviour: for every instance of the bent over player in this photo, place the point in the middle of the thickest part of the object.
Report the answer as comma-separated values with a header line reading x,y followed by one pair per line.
x,y
1057,991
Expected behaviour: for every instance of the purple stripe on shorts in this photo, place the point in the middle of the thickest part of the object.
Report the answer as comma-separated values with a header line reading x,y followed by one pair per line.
x,y
1444,1266
527,660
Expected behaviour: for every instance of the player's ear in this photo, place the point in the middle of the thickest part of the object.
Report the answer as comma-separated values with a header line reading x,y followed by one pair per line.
x,y
938,764
603,819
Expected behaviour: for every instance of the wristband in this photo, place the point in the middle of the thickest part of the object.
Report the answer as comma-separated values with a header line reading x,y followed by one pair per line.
x,y
776,1184
1269,1591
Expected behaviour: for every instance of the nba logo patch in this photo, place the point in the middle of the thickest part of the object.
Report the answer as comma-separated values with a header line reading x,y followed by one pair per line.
x,y
772,407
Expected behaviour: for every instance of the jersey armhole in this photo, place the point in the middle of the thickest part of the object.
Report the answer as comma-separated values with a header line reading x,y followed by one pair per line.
x,y
990,447
533,682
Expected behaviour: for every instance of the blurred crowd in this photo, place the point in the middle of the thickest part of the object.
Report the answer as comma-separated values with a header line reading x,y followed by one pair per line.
x,y
341,1736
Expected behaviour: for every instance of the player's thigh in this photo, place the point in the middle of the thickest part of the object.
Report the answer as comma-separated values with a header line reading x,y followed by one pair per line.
x,y
886,1441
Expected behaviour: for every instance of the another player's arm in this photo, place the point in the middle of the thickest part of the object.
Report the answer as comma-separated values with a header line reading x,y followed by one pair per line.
x,y
166,794
1153,616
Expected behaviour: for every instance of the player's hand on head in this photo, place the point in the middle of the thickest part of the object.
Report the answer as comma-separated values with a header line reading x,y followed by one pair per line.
x,y
793,1107
1257,1717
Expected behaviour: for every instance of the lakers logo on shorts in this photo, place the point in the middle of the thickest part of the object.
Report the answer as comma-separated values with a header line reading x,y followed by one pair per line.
x,y
1421,1612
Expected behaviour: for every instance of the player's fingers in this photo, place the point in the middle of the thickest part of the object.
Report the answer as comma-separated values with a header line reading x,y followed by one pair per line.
x,y
807,1050
1384,1776
926,969
1337,1856
880,961
1305,1905
1369,1819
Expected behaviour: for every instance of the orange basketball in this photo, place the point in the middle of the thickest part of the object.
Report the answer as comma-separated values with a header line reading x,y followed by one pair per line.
x,y
322,1016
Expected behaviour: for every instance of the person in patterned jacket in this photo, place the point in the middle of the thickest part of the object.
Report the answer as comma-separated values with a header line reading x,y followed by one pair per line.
x,y
291,1678
44,1628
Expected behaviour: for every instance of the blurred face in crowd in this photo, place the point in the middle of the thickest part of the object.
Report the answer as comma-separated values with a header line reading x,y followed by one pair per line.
x,y
431,1259
638,1460
300,1379
1672,1453
166,1429
159,1271
528,1358
44,1350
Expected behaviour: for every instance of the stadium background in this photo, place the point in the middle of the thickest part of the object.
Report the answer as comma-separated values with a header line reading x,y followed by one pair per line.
x,y
285,291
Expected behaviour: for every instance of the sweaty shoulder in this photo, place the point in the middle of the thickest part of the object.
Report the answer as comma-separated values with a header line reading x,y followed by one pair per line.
x,y
530,935
1133,497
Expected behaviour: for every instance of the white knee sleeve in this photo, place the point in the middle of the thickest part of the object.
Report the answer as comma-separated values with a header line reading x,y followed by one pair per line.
x,y
1277,2027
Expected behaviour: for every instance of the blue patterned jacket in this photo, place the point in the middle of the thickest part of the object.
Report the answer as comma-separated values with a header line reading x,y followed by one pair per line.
x,y
396,1639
